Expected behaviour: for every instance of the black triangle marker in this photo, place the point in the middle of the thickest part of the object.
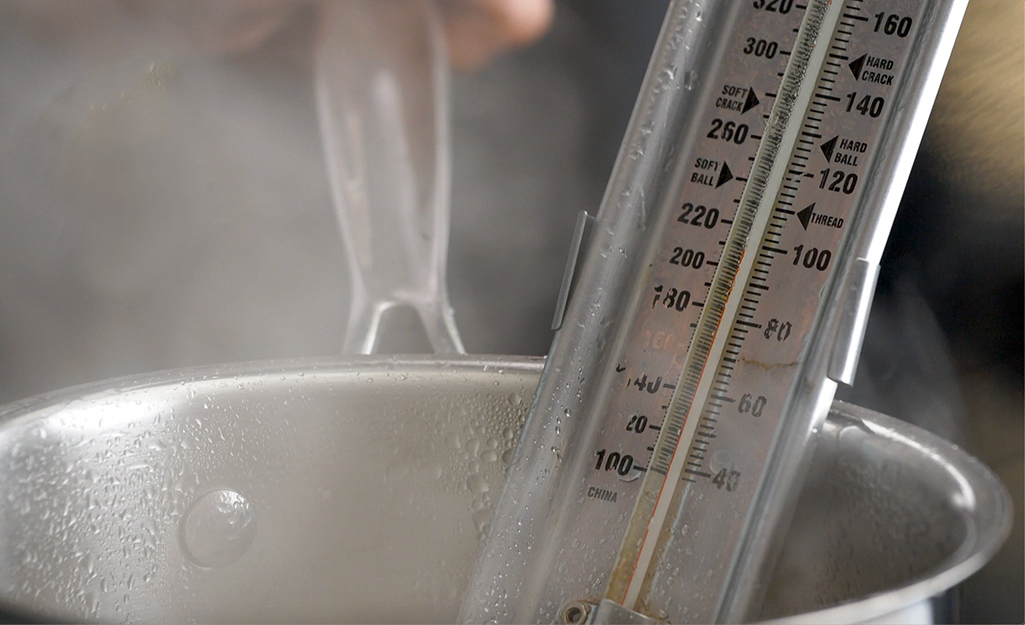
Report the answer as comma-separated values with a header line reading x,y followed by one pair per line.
x,y
805,215
856,66
751,101
827,147
724,176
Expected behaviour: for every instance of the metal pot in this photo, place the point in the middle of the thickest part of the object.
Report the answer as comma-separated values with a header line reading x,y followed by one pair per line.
x,y
360,490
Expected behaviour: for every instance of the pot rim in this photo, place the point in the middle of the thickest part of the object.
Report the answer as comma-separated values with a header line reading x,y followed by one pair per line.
x,y
986,502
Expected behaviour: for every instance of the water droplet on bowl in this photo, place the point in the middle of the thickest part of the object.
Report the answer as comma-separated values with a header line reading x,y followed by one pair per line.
x,y
477,484
481,519
218,529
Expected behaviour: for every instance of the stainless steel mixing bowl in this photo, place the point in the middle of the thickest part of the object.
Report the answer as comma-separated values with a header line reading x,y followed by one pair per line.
x,y
360,490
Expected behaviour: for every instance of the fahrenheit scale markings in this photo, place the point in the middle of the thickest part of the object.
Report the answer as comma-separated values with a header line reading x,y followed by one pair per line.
x,y
755,370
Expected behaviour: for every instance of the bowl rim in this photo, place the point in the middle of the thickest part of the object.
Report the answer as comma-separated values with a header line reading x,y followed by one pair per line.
x,y
990,517
990,521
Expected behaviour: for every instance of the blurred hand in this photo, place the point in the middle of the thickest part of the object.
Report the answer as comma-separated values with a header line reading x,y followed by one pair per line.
x,y
476,30
118,28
